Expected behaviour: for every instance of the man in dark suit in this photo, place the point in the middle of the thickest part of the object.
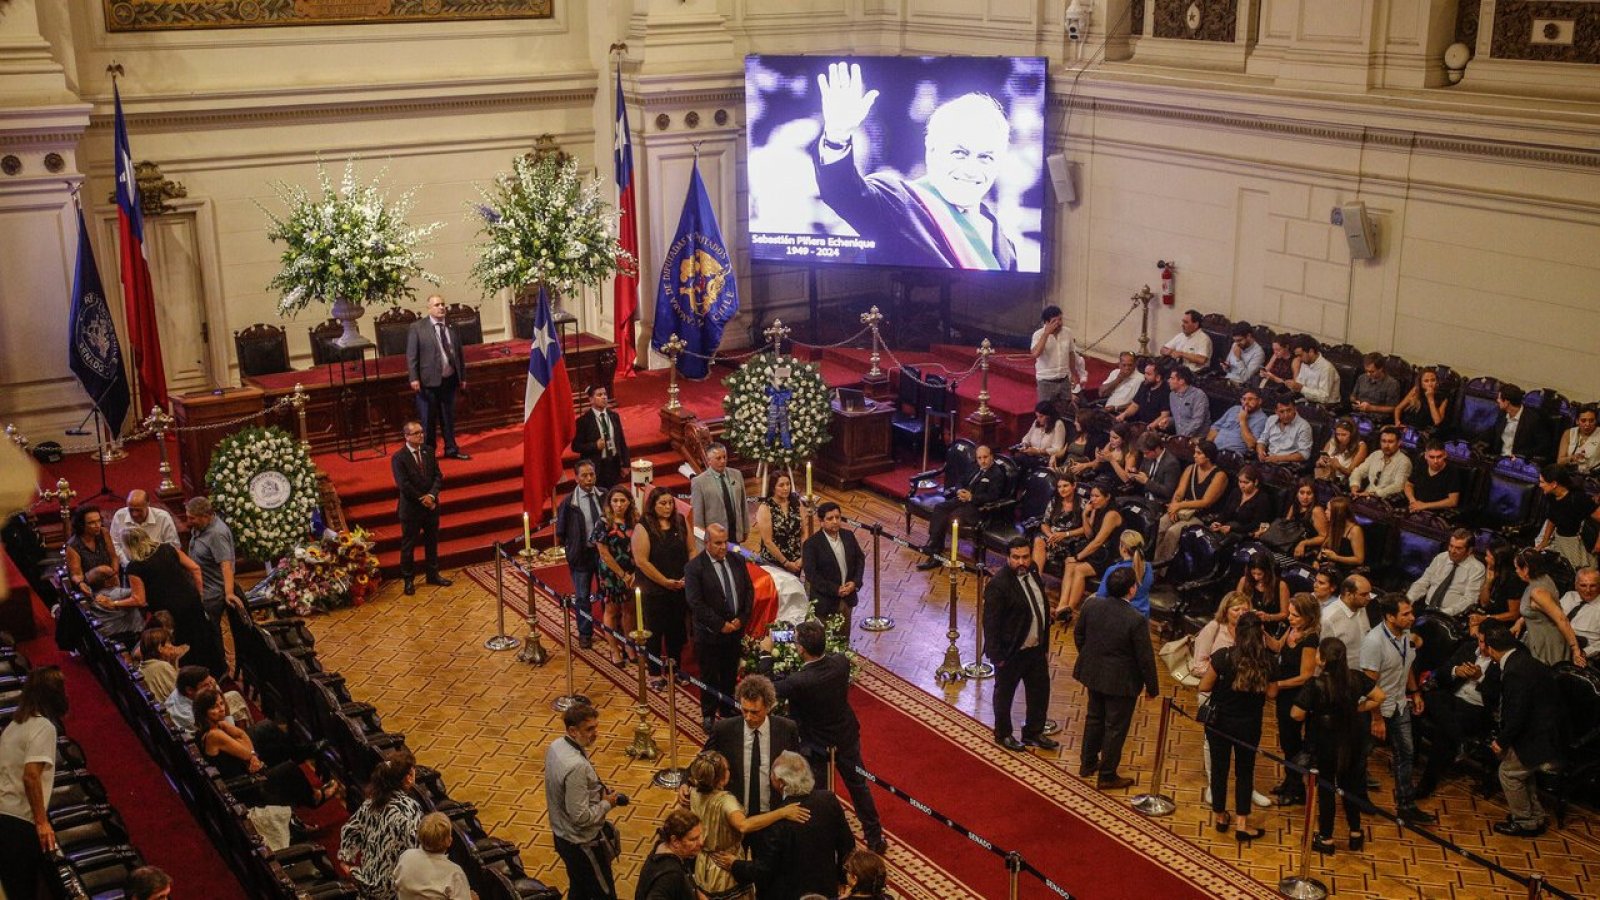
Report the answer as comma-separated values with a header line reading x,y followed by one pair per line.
x,y
1529,739
757,737
433,359
576,517
416,475
964,503
1158,471
1528,434
819,700
1114,662
717,586
1016,638
599,437
1462,693
833,564
793,859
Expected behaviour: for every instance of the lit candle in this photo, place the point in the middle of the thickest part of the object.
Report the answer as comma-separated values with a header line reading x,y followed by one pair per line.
x,y
527,532
638,609
808,479
955,539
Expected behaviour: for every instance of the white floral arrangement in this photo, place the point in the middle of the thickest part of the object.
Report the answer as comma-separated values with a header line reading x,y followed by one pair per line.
x,y
347,242
778,410
263,465
543,223
786,658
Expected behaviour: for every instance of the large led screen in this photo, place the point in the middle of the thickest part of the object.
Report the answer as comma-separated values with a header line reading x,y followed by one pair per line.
x,y
931,162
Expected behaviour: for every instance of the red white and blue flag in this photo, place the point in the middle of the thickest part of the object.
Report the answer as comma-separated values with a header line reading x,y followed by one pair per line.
x,y
138,299
548,420
627,281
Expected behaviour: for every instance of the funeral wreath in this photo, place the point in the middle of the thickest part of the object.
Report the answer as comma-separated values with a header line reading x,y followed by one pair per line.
x,y
264,486
778,410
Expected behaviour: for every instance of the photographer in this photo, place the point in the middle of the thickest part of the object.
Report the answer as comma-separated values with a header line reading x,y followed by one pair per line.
x,y
819,700
578,803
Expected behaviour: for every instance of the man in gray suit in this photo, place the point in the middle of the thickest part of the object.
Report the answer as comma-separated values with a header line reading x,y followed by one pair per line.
x,y
433,359
716,496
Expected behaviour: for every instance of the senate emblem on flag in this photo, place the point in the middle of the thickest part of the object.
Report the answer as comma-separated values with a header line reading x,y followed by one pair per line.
x,y
97,338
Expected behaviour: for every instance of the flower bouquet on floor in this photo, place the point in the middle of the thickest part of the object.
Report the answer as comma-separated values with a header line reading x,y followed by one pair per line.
x,y
332,572
786,653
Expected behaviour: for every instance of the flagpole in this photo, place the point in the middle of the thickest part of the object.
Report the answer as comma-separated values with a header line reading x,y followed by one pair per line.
x,y
108,450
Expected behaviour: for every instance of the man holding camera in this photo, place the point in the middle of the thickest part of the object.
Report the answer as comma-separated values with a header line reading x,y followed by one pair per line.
x,y
578,803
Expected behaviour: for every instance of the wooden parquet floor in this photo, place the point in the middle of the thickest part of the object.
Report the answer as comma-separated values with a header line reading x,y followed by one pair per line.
x,y
484,719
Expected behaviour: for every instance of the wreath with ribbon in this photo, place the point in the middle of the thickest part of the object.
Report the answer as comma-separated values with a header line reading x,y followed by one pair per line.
x,y
777,410
264,486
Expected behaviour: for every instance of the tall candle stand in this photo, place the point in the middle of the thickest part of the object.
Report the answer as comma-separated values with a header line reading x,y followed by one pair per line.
x,y
644,740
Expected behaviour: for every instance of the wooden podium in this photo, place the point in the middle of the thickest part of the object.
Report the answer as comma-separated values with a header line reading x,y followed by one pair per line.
x,y
207,408
860,445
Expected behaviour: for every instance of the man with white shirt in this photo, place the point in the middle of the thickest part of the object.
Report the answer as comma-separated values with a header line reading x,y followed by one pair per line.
x,y
1245,358
1464,691
1583,613
1451,582
833,564
1346,616
1056,362
599,437
1315,378
152,520
1121,383
1190,345
1016,627
751,741
1382,474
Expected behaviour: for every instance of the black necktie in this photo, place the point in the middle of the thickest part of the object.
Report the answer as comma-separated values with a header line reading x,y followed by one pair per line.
x,y
1035,606
753,776
727,507
727,587
444,343
1437,599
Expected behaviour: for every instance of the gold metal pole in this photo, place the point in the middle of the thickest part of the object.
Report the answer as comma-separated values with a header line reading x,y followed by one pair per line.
x,y
673,348
878,621
1156,803
644,741
979,667
1301,886
672,776
533,653
951,670
501,640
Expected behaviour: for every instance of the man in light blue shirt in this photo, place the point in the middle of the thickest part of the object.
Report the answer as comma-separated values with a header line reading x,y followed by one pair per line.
x,y
1240,428
1287,438
1245,358
1190,407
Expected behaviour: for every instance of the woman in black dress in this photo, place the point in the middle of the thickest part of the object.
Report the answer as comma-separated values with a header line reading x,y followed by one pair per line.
x,y
1052,544
1567,508
661,550
1334,705
1426,406
1501,594
1238,682
1102,523
1269,595
163,577
1297,662
666,873
1246,512
232,751
89,548
781,525
613,542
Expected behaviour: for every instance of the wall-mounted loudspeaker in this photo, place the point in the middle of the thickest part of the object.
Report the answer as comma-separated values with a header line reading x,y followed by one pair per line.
x,y
1359,230
1063,176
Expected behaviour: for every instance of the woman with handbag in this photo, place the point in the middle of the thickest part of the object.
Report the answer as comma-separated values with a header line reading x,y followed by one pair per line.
x,y
1061,519
1101,521
1296,664
1239,681
1301,519
1218,635
1343,454
1269,595
1200,488
1246,513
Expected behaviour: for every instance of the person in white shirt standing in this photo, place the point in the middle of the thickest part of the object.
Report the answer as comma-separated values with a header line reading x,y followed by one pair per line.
x,y
425,872
834,565
1056,363
1190,345
1452,580
152,520
27,777
1346,617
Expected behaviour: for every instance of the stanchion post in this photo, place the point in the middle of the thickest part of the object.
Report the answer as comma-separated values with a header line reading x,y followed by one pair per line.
x,y
877,621
833,769
1156,803
571,698
672,776
533,653
951,670
644,742
978,668
1536,886
501,640
1013,872
1301,886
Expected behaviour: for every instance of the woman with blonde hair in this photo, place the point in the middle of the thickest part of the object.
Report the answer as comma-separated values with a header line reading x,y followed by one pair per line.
x,y
1130,546
163,577
725,824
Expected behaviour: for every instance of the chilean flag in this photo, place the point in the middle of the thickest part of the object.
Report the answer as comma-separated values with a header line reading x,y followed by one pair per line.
x,y
627,283
548,419
138,299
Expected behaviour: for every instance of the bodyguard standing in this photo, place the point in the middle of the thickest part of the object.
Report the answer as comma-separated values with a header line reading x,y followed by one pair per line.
x,y
433,359
578,803
416,475
720,594
1016,628
716,496
1114,662
599,437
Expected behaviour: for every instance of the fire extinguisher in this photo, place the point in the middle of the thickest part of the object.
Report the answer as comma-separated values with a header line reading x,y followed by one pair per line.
x,y
1168,295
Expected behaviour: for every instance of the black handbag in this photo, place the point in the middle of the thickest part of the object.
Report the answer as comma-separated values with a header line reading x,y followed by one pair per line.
x,y
1205,713
1284,534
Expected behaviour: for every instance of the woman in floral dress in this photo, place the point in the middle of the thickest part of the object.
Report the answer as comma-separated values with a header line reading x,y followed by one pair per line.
x,y
781,525
613,539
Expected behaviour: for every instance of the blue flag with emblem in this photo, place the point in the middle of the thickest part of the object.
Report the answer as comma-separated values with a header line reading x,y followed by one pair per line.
x,y
93,351
697,293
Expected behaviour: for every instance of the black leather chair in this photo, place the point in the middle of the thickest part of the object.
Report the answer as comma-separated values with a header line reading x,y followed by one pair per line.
x,y
467,321
392,326
1477,409
1418,538
1579,690
1511,503
323,349
261,349
927,489
998,520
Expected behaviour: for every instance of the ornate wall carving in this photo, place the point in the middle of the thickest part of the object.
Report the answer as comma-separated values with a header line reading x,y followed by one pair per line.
x,y
167,15
1136,13
1215,20
1514,38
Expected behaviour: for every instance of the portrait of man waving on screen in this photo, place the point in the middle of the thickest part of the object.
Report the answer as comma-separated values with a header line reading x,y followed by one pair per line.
x,y
938,220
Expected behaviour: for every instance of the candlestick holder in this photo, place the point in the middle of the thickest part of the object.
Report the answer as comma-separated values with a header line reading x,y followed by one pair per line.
x,y
644,740
951,670
673,348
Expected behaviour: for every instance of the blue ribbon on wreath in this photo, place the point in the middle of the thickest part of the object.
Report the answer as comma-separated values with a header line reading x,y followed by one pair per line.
x,y
778,415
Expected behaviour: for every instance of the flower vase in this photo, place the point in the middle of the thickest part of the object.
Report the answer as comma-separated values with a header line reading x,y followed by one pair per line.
x,y
347,314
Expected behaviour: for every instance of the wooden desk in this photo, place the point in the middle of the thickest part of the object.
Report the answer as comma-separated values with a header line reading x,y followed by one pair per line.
x,y
208,408
860,445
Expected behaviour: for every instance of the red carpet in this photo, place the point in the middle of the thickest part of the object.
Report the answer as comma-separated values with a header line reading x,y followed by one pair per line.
x,y
1092,844
159,823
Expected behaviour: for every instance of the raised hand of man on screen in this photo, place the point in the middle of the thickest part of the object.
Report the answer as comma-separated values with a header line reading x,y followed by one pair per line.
x,y
844,103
